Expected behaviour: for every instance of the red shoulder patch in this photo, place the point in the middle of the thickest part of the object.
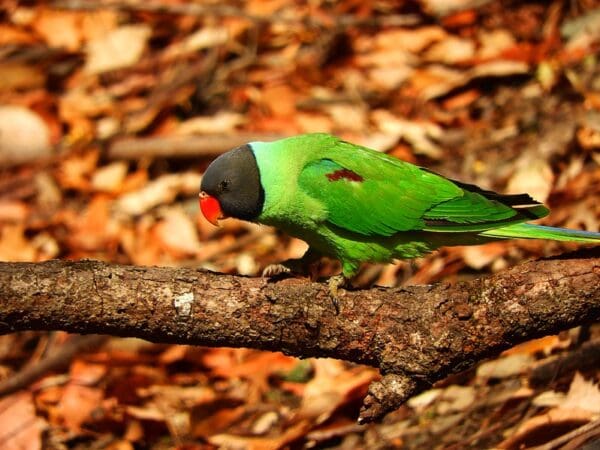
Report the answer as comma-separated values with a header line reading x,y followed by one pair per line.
x,y
344,174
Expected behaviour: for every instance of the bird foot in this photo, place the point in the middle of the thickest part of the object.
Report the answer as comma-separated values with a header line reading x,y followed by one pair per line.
x,y
297,267
272,270
335,283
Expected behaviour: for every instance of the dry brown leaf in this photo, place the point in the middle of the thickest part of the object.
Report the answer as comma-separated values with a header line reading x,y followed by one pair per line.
x,y
59,28
442,8
139,244
436,80
506,366
12,35
110,178
493,42
451,50
13,211
206,37
583,395
280,99
85,373
95,229
421,135
117,49
332,386
177,232
291,433
21,429
411,40
220,123
204,424
14,246
170,398
536,430
161,191
24,136
533,176
17,76
75,170
546,345
314,122
479,256
582,32
454,399
76,405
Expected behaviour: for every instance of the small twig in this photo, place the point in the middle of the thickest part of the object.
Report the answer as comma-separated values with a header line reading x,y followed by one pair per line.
x,y
585,357
57,360
221,10
182,146
591,427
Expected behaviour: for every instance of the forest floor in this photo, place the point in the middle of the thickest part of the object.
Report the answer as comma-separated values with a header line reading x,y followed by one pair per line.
x,y
111,110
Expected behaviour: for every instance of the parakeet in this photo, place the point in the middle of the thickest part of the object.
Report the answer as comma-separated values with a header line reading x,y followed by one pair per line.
x,y
359,205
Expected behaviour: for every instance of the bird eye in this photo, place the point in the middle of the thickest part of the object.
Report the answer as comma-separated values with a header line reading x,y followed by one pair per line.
x,y
224,185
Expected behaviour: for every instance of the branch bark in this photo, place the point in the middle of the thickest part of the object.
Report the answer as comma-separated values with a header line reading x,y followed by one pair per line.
x,y
416,335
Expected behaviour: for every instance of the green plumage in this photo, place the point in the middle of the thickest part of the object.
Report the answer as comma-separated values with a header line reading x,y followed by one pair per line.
x,y
357,205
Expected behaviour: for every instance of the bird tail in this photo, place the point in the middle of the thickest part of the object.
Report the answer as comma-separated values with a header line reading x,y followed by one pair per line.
x,y
531,231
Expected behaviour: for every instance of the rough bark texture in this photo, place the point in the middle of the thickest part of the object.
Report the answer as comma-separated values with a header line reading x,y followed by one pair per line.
x,y
415,335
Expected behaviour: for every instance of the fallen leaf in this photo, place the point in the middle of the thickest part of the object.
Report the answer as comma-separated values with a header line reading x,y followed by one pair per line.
x,y
21,428
455,398
582,32
544,427
421,135
493,43
290,434
110,178
479,256
24,136
506,366
117,49
84,373
76,169
411,40
76,405
12,35
163,190
220,123
534,176
95,229
582,394
59,28
177,232
451,50
332,386
442,8
206,37
280,99
14,246
545,345
17,76
13,211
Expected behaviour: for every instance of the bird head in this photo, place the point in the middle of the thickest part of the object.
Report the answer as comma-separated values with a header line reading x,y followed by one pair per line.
x,y
231,187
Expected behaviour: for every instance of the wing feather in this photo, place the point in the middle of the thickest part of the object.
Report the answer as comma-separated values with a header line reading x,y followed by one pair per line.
x,y
371,193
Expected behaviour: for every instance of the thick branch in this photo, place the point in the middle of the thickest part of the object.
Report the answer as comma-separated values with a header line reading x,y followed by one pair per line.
x,y
416,335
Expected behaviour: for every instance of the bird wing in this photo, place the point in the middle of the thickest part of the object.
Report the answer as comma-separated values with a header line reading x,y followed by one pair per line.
x,y
371,193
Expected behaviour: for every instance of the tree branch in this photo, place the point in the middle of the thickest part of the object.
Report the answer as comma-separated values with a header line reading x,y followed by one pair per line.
x,y
416,335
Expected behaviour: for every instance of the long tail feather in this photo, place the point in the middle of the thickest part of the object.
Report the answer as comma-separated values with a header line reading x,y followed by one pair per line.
x,y
531,231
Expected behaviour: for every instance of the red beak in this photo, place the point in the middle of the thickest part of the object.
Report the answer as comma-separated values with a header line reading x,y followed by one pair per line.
x,y
211,208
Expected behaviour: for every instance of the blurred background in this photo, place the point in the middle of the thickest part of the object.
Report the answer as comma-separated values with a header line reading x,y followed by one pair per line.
x,y
111,110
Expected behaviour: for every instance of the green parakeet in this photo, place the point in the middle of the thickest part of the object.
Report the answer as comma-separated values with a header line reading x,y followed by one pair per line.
x,y
359,205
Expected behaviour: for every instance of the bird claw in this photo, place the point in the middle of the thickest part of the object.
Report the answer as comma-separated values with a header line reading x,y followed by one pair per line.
x,y
273,270
335,283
